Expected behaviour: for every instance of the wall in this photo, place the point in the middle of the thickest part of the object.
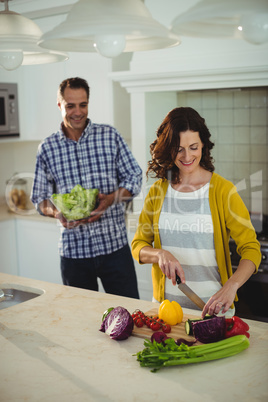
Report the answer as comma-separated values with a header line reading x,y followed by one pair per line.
x,y
238,122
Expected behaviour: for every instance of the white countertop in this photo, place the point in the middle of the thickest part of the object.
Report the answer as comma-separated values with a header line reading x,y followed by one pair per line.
x,y
52,350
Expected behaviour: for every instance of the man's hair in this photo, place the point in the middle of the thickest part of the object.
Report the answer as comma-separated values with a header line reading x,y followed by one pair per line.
x,y
73,83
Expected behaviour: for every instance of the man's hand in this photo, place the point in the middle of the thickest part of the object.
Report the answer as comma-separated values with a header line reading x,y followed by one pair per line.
x,y
105,201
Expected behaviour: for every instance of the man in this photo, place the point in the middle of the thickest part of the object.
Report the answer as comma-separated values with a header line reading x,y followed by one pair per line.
x,y
94,156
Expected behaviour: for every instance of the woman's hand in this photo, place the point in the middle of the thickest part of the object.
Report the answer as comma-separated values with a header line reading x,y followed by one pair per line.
x,y
221,301
170,266
224,298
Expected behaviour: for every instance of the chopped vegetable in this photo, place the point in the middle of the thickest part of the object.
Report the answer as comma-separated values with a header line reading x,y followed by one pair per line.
x,y
77,204
118,324
236,326
188,343
168,353
210,330
159,337
189,326
170,312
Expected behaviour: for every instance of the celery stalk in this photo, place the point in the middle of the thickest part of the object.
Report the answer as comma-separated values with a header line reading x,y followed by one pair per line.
x,y
169,354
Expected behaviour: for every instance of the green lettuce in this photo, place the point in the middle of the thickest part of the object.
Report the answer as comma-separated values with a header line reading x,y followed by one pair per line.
x,y
77,204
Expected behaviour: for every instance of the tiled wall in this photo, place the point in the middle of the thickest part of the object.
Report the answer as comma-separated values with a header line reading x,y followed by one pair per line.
x,y
238,122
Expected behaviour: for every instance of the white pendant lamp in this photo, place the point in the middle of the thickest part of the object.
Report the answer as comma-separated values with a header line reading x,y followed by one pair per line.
x,y
18,42
237,19
109,27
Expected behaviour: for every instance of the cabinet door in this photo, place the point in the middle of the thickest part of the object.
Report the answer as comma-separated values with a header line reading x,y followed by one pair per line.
x,y
8,247
38,256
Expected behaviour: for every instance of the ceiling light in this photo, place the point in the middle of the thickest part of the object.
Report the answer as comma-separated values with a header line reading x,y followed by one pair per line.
x,y
236,19
109,27
18,42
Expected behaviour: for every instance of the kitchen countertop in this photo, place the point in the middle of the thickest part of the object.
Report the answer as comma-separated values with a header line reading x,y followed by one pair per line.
x,y
6,214
51,349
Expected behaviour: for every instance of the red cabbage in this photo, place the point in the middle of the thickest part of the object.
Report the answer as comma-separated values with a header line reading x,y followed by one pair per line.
x,y
210,330
118,324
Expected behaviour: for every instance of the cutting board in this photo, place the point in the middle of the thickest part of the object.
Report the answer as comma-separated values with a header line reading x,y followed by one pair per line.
x,y
177,331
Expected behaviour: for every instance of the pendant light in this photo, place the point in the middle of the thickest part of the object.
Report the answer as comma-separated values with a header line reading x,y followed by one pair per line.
x,y
18,42
109,27
236,19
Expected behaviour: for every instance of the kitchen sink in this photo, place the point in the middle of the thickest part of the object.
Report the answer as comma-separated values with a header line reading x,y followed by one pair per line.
x,y
10,296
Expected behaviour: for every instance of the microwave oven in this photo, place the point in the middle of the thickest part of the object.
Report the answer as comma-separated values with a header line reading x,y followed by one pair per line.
x,y
9,110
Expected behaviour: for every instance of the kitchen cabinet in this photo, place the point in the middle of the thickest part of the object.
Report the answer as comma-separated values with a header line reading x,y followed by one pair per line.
x,y
8,244
37,250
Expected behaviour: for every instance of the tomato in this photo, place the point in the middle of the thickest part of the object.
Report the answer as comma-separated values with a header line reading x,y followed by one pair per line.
x,y
138,322
155,326
160,321
166,328
148,322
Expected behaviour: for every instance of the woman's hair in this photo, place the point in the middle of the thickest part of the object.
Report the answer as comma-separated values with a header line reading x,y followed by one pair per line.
x,y
73,83
165,148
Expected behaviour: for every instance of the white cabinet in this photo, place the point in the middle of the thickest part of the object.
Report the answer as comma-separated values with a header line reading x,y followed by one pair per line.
x,y
8,247
37,250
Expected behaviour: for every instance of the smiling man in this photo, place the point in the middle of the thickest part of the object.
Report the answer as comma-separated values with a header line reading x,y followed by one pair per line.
x,y
94,156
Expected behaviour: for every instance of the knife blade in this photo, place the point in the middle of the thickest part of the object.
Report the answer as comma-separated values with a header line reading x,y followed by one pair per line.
x,y
190,293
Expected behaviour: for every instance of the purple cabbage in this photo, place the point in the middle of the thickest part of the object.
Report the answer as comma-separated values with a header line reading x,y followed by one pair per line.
x,y
209,330
118,324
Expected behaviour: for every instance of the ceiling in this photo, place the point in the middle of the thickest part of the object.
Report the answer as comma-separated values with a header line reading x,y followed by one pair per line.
x,y
164,12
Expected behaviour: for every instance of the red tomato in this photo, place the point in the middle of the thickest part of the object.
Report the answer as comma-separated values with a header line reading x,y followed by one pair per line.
x,y
148,322
160,321
166,328
138,323
155,326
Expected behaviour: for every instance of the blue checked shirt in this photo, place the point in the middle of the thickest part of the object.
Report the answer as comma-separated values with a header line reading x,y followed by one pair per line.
x,y
99,159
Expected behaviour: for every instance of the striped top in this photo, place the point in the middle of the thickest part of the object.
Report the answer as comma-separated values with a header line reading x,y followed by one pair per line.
x,y
186,230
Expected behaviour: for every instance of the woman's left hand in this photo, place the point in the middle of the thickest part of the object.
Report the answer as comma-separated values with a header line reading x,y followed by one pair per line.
x,y
220,301
223,299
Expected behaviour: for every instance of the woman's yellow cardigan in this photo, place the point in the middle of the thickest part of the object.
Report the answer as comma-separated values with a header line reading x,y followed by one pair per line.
x,y
230,217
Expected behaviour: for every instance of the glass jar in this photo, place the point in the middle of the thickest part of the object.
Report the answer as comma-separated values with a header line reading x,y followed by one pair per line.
x,y
17,194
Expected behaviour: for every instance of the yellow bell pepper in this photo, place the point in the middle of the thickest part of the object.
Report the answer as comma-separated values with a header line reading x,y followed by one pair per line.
x,y
170,312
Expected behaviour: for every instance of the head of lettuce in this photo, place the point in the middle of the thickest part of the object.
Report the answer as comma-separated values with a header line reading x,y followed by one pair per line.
x,y
78,204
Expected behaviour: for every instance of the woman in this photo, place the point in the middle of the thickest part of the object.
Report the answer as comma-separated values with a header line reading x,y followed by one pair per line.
x,y
188,217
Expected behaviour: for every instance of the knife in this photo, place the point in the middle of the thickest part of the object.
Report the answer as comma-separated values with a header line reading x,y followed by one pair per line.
x,y
190,293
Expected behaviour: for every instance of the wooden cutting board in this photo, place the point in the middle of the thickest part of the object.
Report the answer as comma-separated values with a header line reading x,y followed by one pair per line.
x,y
177,331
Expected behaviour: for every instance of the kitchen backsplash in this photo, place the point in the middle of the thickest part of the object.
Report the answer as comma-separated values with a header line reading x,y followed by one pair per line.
x,y
238,122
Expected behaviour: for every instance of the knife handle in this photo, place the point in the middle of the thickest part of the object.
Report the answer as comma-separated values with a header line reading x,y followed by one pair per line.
x,y
178,279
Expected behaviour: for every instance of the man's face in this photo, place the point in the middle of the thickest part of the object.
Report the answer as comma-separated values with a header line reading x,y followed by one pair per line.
x,y
74,108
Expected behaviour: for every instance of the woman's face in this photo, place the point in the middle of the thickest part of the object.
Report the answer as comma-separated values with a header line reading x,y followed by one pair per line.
x,y
190,151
